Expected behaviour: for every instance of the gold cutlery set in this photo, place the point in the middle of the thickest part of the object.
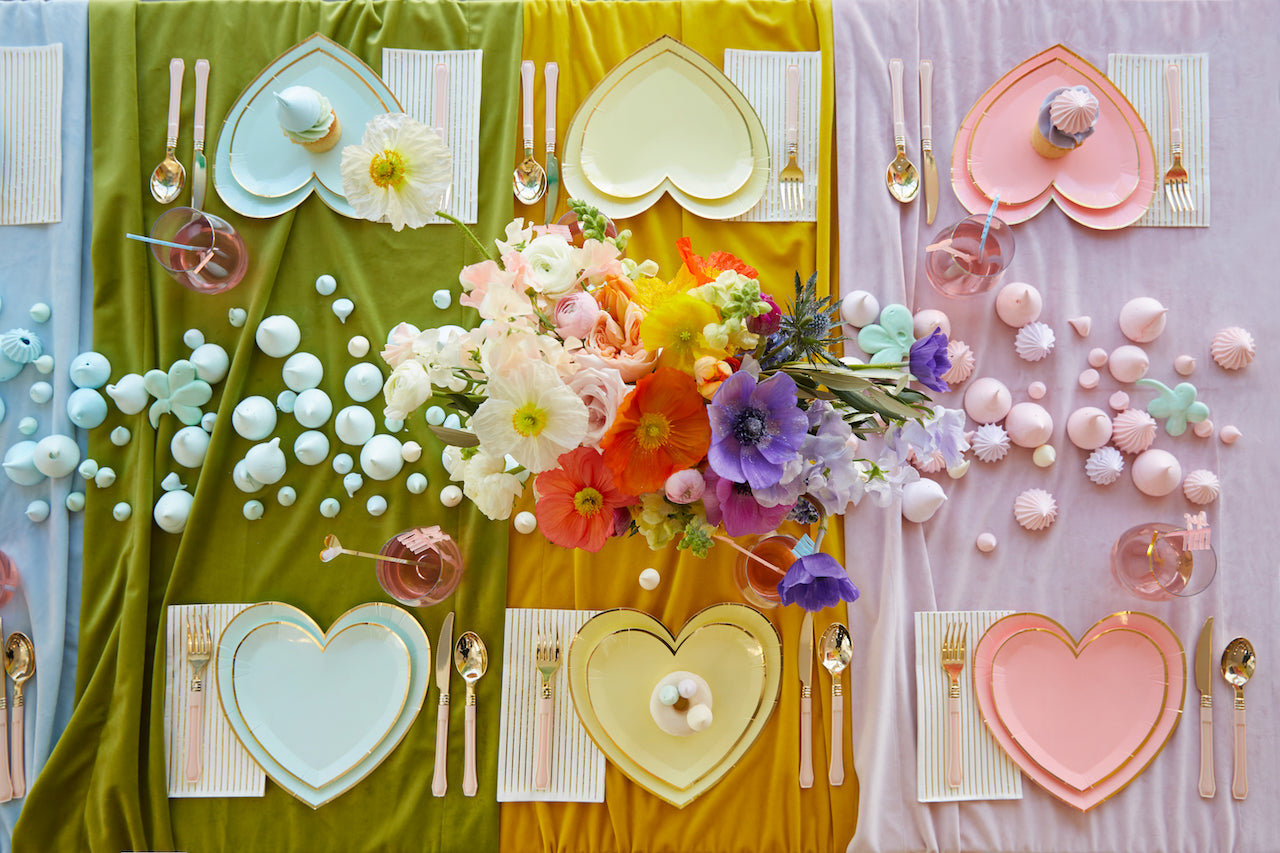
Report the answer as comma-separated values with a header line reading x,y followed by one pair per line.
x,y
20,663
169,176
1237,666
1177,188
470,657
835,651
531,181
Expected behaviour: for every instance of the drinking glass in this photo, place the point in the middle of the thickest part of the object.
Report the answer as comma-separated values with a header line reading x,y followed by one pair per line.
x,y
758,574
422,577
954,264
1153,561
217,259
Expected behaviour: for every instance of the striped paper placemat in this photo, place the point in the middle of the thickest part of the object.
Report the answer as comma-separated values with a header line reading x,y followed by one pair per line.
x,y
577,765
228,769
989,773
1141,78
410,75
762,77
30,135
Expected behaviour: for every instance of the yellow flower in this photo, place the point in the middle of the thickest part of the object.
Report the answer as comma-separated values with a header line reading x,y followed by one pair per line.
x,y
652,291
676,326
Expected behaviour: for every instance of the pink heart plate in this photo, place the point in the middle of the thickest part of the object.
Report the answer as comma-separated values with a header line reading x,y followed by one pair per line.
x,y
1082,719
1108,183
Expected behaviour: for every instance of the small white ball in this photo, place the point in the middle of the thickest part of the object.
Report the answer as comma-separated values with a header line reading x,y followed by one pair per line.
x,y
649,579
699,717
392,424
28,426
442,299
44,364
859,308
286,496
237,317
688,688
120,436
286,401
253,510
41,392
416,483
343,463
330,508
1044,456
326,285
38,511
986,542
75,501
1037,390
358,346
376,505
40,312
526,522
104,478
121,511
451,496
193,338
435,415
207,422
88,468
411,451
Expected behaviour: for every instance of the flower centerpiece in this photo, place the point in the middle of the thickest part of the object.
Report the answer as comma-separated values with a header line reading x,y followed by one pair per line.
x,y
671,406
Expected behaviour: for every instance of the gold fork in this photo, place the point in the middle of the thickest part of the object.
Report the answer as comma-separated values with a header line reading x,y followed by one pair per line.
x,y
953,658
791,178
1177,188
199,650
547,660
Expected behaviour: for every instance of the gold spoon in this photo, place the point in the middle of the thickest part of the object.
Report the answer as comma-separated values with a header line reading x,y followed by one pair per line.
x,y
1238,663
472,659
902,177
836,649
169,176
529,180
20,663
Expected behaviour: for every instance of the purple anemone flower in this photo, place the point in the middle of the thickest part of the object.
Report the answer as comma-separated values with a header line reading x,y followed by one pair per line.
x,y
928,361
736,507
816,582
756,428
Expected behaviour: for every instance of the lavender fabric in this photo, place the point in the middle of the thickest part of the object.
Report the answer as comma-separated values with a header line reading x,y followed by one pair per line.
x,y
1208,278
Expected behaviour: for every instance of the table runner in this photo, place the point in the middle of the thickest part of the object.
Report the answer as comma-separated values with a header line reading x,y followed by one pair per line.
x,y
104,786
1208,278
757,805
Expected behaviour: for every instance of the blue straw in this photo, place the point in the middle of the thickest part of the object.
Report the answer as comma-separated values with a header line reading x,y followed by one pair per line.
x,y
986,226
139,237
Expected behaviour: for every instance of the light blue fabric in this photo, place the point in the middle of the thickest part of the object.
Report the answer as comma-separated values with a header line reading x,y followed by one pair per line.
x,y
50,264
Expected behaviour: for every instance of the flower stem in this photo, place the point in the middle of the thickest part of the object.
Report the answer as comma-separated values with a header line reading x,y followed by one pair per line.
x,y
480,246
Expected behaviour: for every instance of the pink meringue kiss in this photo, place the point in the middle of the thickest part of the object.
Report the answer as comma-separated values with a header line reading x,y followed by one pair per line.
x,y
1128,363
1088,428
1018,304
987,400
1029,425
1156,472
1142,319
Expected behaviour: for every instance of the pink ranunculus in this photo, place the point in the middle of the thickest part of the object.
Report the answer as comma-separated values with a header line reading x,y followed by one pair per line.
x,y
576,314
602,390
685,487
399,346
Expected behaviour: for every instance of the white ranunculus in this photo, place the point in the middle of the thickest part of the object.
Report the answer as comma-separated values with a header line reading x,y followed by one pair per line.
x,y
552,265
406,389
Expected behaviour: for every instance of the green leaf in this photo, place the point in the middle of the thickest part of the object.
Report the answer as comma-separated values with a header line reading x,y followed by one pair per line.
x,y
456,437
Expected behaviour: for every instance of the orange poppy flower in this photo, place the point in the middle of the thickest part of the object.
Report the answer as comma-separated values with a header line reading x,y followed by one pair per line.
x,y
661,427
577,500
705,270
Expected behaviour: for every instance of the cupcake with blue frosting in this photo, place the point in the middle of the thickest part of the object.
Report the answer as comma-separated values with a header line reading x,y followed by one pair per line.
x,y
307,118
1067,117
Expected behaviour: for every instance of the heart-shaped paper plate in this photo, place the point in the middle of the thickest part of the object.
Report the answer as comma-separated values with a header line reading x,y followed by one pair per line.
x,y
319,711
257,171
709,151
1067,713
619,655
1107,183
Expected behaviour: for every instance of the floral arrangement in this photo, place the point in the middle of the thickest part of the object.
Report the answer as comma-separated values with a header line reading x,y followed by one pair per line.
x,y
671,407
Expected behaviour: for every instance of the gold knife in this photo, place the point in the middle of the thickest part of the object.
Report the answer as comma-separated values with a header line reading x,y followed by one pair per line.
x,y
930,170
444,659
1204,684
551,72
805,662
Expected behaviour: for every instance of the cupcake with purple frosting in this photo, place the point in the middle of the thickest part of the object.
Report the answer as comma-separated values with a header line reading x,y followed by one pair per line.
x,y
1066,119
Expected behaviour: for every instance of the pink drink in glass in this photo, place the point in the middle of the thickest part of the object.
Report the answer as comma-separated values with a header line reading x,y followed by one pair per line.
x,y
960,263
427,577
217,260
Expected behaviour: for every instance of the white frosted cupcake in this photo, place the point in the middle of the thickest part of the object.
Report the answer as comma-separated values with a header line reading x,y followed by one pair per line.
x,y
307,118
1065,120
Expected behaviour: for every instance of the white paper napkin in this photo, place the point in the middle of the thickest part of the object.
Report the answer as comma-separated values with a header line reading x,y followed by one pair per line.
x,y
410,75
762,77
989,773
228,769
30,135
1141,78
577,765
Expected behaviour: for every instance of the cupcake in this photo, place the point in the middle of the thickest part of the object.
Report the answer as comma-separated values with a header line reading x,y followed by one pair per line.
x,y
307,119
1066,119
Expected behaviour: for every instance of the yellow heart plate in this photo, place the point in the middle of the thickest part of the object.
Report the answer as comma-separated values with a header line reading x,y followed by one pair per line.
x,y
619,655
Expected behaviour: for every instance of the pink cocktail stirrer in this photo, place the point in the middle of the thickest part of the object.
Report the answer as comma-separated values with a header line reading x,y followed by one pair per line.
x,y
333,548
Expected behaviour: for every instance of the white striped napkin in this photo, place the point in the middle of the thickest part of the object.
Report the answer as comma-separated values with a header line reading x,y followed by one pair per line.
x,y
228,769
989,773
577,765
30,135
1141,78
410,75
762,77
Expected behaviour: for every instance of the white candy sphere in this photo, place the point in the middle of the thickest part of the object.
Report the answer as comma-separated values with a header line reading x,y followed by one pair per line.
x,y
312,408
254,418
451,496
277,335
354,425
